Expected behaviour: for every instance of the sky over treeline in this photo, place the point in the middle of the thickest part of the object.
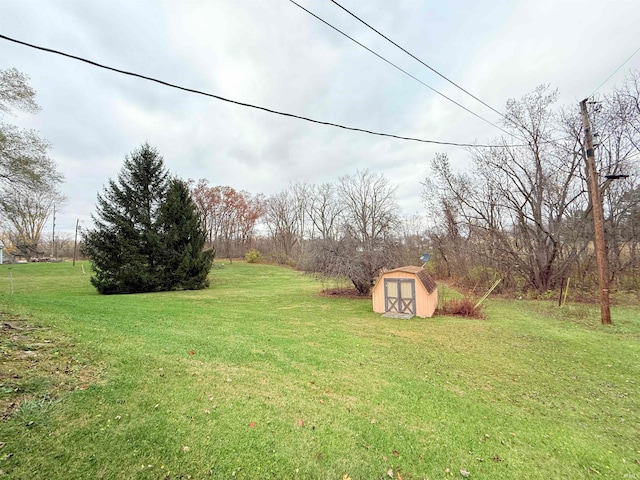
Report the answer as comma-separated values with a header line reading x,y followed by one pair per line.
x,y
273,54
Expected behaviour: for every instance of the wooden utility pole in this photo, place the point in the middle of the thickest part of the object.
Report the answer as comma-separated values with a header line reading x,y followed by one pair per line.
x,y
75,243
598,219
53,234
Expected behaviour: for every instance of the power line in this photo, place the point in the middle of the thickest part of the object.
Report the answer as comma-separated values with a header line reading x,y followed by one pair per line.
x,y
615,71
243,104
399,68
419,60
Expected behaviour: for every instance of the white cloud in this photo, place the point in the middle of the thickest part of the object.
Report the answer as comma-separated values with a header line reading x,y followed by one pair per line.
x,y
271,53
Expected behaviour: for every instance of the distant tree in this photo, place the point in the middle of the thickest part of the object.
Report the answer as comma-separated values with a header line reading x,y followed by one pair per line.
x,y
511,205
283,221
371,213
186,265
25,212
616,121
228,216
206,199
135,231
324,211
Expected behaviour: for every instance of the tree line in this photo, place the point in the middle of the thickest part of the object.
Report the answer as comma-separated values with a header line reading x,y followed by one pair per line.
x,y
522,211
519,211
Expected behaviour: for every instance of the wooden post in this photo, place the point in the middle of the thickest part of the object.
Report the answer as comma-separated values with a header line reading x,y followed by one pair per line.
x,y
53,234
75,243
598,219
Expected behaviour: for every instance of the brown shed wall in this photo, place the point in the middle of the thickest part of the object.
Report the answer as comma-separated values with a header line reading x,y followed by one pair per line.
x,y
426,303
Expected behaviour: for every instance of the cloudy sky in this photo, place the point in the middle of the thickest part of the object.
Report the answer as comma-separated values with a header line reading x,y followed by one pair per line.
x,y
273,54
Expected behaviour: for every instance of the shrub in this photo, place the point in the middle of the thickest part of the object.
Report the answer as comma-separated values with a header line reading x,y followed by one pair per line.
x,y
253,256
461,307
280,258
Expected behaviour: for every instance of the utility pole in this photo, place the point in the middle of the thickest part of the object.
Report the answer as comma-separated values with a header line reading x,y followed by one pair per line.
x,y
598,219
75,243
53,235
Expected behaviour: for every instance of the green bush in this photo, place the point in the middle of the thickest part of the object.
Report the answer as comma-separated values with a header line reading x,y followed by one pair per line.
x,y
253,256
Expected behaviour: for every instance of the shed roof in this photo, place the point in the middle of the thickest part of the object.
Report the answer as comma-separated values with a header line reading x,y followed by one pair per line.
x,y
421,273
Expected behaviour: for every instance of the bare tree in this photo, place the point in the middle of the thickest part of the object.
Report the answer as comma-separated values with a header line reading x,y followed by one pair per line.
x,y
228,216
616,121
23,154
282,216
517,196
324,211
368,243
25,213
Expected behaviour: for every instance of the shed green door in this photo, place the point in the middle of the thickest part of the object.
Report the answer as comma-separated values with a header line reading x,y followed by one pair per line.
x,y
400,295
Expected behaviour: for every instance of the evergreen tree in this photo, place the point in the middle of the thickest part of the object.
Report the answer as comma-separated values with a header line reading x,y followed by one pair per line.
x,y
125,246
186,264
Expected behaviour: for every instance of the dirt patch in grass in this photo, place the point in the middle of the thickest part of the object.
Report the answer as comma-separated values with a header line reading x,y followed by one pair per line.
x,y
36,363
342,293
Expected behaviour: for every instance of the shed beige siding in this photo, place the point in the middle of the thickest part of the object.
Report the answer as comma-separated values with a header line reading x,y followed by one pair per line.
x,y
425,302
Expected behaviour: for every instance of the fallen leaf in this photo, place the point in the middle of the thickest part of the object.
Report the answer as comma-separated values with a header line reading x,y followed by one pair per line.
x,y
300,422
398,476
395,453
390,473
191,352
252,424
345,476
464,473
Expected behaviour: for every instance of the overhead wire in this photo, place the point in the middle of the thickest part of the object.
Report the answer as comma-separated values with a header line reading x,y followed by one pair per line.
x,y
421,61
614,72
454,83
236,102
400,69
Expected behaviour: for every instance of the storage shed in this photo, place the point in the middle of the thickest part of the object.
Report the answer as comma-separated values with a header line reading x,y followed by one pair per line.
x,y
405,291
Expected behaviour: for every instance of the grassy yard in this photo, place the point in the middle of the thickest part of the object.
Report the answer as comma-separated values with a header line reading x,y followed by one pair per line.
x,y
260,377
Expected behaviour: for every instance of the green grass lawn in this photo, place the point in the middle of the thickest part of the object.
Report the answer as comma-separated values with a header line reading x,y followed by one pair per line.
x,y
261,377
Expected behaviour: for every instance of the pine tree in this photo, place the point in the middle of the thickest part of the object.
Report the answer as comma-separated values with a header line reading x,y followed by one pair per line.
x,y
125,247
186,264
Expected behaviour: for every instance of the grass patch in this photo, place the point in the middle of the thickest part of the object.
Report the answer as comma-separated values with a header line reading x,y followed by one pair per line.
x,y
259,376
37,365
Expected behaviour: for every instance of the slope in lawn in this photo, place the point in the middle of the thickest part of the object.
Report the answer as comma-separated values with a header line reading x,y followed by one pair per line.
x,y
261,377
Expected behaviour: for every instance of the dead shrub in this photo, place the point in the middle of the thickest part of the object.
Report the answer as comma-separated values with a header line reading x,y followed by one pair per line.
x,y
461,307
